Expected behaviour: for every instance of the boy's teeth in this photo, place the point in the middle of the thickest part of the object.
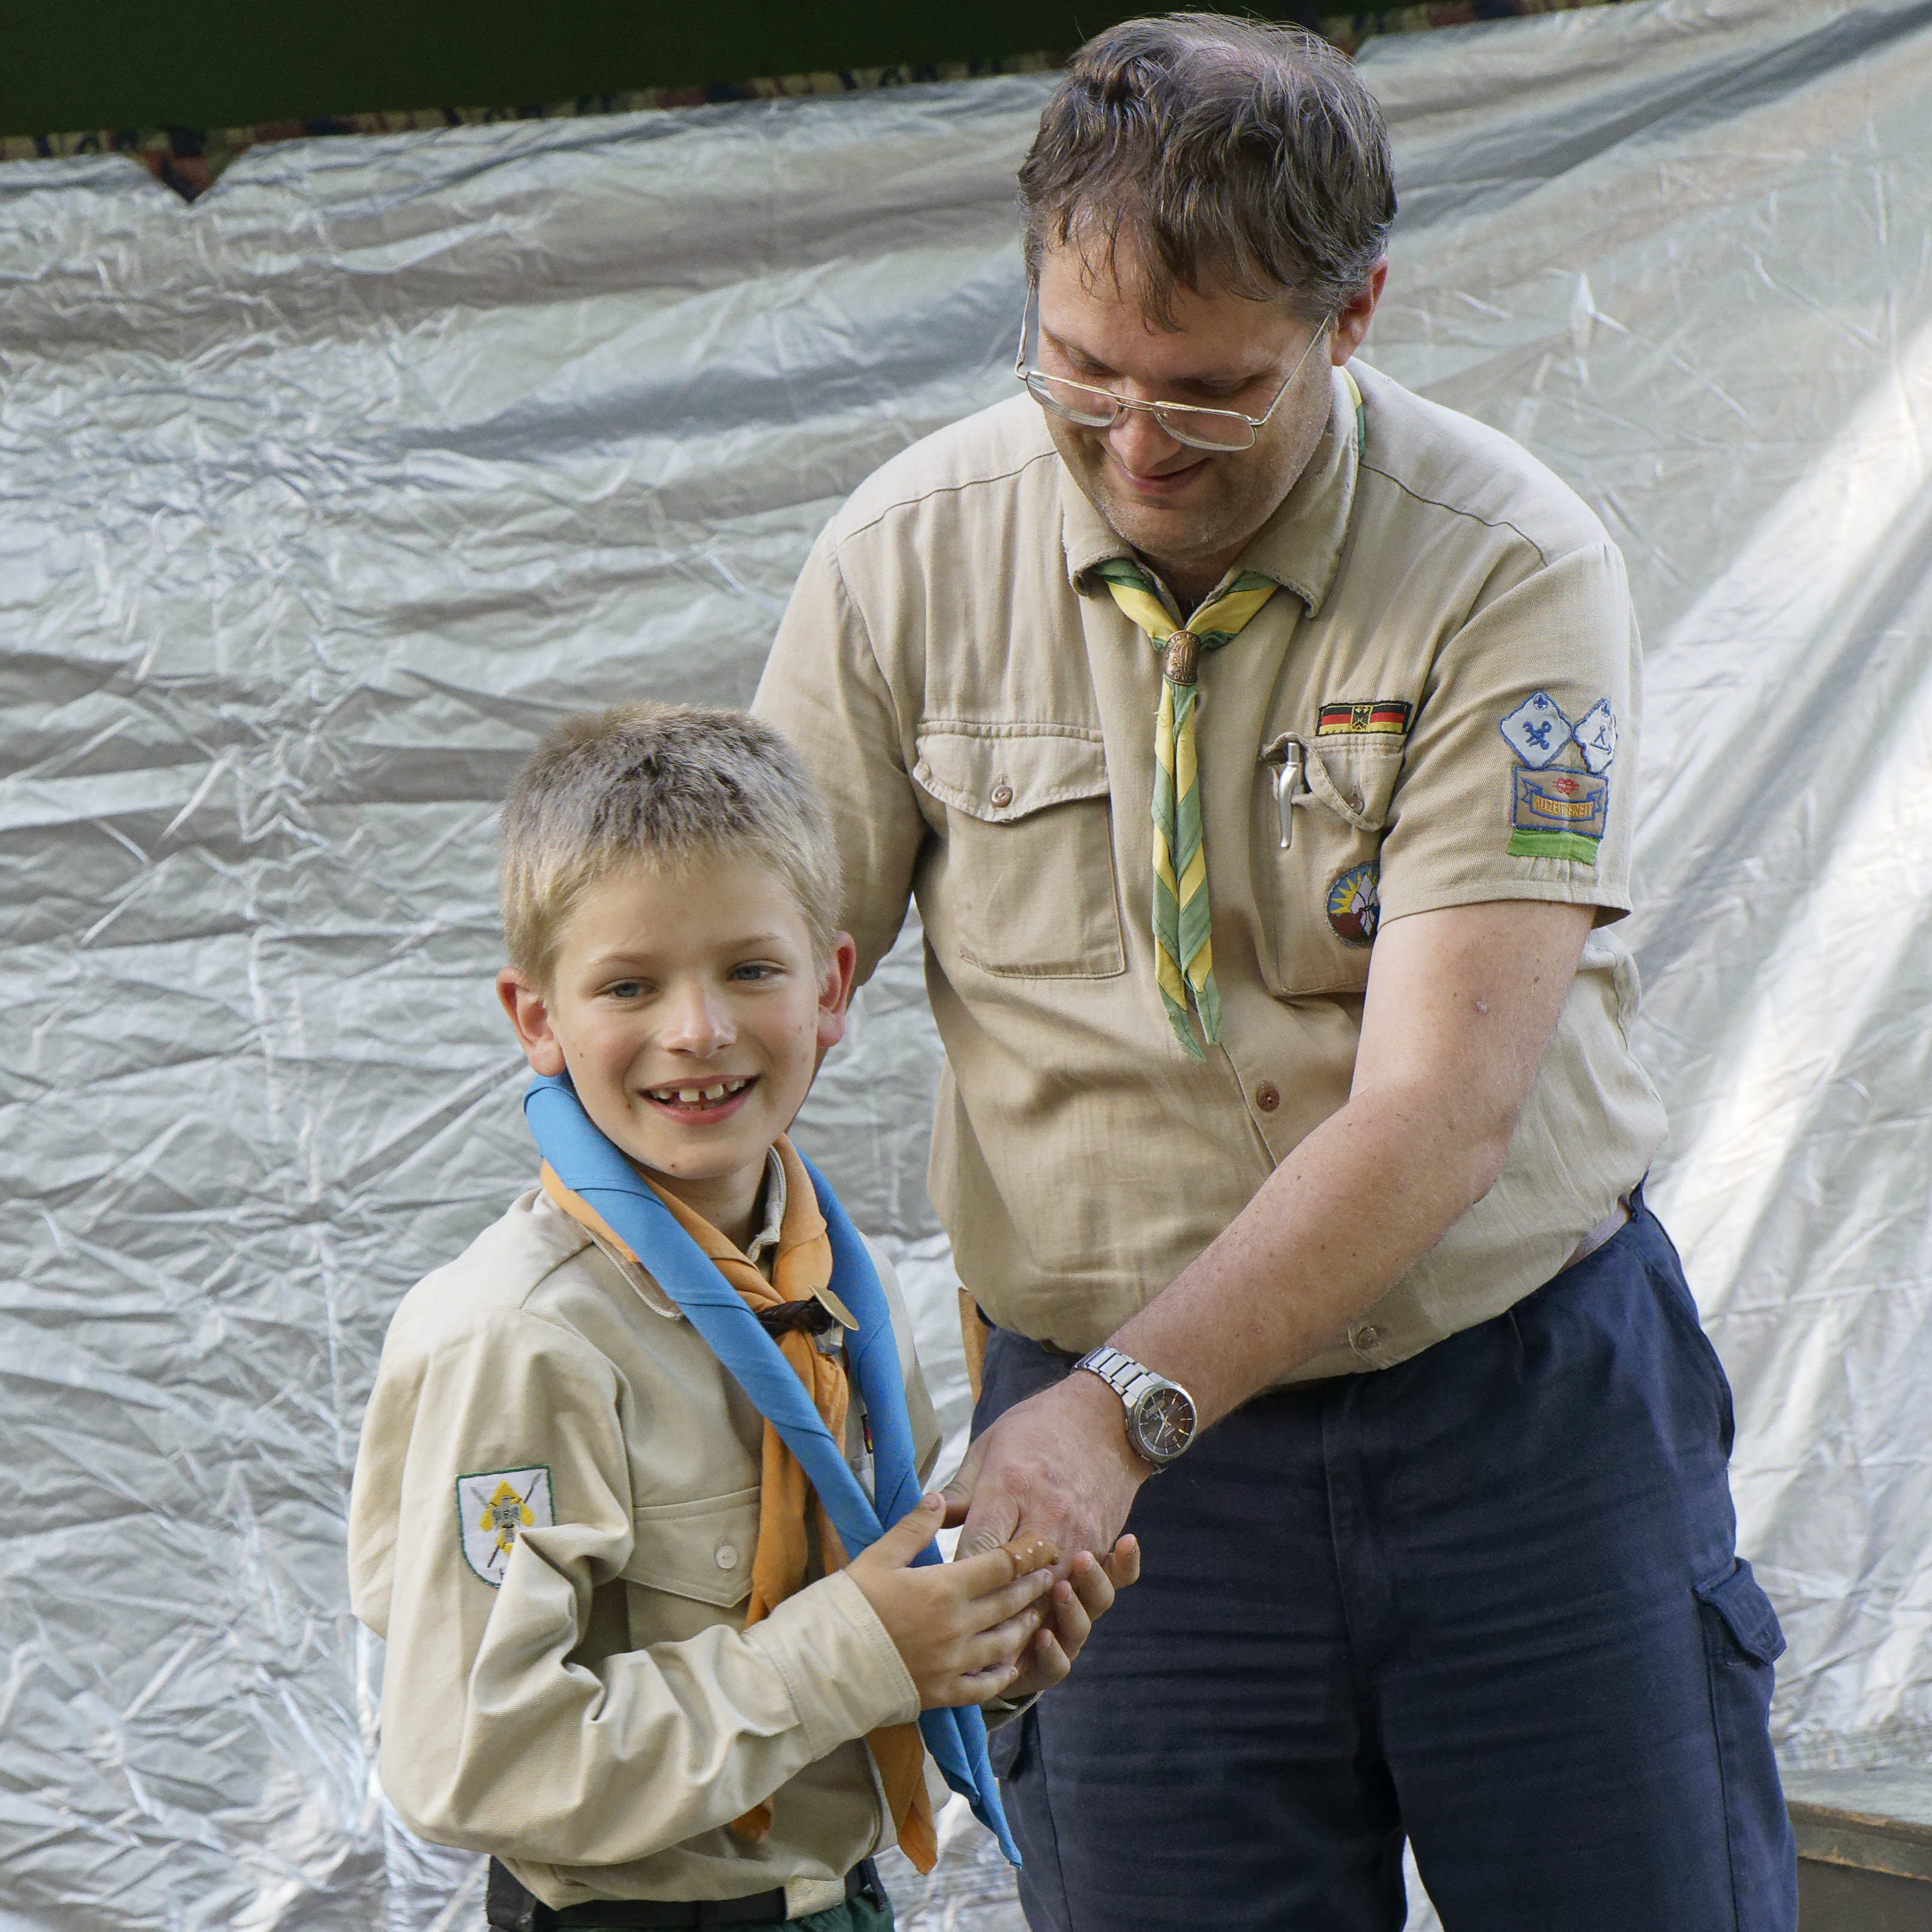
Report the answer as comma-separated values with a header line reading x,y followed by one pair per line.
x,y
690,1097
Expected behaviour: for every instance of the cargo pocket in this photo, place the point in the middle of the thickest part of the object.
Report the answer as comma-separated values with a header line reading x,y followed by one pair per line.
x,y
1027,888
1320,901
689,1560
1741,1642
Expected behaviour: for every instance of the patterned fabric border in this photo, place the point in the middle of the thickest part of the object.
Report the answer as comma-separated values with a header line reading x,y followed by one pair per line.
x,y
190,160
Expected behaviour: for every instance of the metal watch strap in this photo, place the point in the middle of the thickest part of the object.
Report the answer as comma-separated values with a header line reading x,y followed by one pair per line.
x,y
1130,1380
1120,1371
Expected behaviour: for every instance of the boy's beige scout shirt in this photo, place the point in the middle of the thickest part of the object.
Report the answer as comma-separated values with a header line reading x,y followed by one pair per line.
x,y
1455,626
588,1706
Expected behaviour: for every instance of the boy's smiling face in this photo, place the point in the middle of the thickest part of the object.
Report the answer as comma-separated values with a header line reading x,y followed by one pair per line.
x,y
688,1008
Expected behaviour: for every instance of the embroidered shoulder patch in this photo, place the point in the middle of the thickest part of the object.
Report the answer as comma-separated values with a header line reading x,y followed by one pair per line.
x,y
493,1508
1537,729
1355,904
1385,716
1596,735
1558,814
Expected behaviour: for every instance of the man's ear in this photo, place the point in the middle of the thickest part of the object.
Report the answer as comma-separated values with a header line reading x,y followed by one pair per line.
x,y
835,992
530,1014
1352,319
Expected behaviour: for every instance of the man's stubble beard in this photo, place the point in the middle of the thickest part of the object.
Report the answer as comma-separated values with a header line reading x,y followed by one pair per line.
x,y
1246,488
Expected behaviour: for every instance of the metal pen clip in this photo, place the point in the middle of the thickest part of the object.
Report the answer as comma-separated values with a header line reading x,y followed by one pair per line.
x,y
1286,755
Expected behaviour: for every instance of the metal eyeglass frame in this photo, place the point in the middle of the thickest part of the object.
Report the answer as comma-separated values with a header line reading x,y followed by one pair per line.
x,y
1030,373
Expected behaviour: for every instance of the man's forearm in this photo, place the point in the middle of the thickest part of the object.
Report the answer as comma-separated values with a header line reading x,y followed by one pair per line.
x,y
1461,1004
1371,1189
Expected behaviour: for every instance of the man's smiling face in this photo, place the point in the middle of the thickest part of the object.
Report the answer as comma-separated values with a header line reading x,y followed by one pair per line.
x,y
1190,511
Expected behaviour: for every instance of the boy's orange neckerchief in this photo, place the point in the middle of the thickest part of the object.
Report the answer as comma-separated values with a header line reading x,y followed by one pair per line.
x,y
801,1269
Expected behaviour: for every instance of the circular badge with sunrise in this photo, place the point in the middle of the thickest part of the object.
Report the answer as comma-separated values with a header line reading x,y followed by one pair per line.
x,y
1354,904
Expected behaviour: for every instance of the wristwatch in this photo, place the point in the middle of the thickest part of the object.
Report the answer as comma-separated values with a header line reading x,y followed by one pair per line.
x,y
1160,1414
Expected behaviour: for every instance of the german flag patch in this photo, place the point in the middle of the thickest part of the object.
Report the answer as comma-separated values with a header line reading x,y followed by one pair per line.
x,y
1385,716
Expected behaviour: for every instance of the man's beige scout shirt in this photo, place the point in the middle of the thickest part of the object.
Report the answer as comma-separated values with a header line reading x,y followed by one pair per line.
x,y
1454,652
587,1704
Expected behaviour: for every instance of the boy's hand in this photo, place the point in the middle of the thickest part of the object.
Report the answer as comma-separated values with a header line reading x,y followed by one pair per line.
x,y
1086,1594
961,1628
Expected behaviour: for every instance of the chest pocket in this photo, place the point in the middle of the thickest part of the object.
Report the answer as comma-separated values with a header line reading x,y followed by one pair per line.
x,y
689,1561
1321,899
1026,888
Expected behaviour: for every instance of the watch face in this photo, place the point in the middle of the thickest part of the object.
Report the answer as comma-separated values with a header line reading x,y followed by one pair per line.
x,y
1164,1422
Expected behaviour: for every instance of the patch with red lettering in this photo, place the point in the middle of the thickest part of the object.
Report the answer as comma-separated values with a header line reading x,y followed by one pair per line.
x,y
1558,814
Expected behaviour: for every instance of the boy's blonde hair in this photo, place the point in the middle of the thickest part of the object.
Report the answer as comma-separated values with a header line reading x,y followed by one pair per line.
x,y
664,785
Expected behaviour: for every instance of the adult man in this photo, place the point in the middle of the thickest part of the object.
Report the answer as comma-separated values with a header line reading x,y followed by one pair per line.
x,y
1286,1060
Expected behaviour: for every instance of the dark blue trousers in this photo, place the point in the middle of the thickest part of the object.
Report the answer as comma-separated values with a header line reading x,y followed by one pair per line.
x,y
1489,1600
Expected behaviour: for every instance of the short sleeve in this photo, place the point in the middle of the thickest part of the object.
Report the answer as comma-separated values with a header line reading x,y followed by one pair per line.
x,y
822,687
1518,774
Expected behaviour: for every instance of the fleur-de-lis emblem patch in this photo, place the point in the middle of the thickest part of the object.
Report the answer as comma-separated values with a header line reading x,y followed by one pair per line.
x,y
1537,729
493,1508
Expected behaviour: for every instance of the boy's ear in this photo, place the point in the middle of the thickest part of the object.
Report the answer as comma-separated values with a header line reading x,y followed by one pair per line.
x,y
530,1014
835,992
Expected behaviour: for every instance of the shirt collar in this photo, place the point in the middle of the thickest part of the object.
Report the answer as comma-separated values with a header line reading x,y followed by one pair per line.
x,y
1300,546
762,1250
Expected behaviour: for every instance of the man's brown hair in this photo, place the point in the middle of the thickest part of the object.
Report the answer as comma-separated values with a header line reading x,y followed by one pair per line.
x,y
668,785
1226,152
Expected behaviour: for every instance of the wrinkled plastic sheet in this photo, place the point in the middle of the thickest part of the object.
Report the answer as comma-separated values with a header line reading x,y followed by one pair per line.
x,y
321,498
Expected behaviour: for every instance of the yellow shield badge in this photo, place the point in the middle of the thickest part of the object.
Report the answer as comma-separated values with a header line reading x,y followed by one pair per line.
x,y
493,1508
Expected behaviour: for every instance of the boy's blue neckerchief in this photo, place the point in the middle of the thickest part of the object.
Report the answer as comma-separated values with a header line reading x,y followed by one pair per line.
x,y
589,1164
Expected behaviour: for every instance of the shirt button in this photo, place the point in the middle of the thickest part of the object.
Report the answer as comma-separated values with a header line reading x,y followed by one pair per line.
x,y
1267,1097
1366,1339
1002,795
727,1557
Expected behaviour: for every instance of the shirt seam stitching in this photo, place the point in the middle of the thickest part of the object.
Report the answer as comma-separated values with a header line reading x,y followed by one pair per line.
x,y
998,730
1533,891
940,489
1457,510
852,604
440,1344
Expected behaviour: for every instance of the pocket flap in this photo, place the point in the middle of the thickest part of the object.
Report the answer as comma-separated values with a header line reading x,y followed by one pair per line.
x,y
1001,773
1739,1599
700,1550
1356,781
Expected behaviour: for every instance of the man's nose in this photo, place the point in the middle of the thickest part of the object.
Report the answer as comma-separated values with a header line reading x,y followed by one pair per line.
x,y
1139,443
697,1019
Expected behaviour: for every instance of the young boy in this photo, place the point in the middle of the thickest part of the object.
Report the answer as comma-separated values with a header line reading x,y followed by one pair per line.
x,y
621,1656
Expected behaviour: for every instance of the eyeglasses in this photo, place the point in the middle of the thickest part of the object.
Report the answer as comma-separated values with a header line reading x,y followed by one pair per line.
x,y
1094,408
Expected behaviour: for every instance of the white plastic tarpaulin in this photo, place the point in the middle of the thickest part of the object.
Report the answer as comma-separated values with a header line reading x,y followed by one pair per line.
x,y
320,498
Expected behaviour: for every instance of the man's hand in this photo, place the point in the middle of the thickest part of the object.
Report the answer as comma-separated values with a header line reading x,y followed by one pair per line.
x,y
1057,1465
1081,1597
962,1629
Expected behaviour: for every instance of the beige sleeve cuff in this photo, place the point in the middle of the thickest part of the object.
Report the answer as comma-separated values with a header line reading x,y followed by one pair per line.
x,y
997,1711
844,1674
